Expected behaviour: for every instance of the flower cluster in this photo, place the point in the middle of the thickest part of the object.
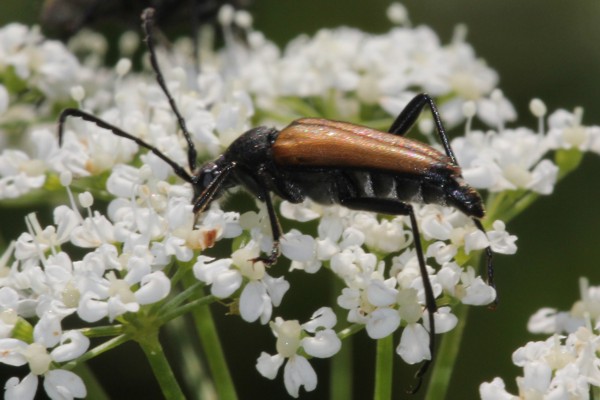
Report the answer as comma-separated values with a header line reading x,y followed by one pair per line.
x,y
567,364
130,262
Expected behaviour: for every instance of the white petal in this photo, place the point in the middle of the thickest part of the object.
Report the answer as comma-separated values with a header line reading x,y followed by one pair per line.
x,y
495,390
207,271
349,299
297,212
544,177
268,365
475,240
444,320
382,322
298,372
441,251
253,301
9,298
47,331
324,344
435,226
536,376
63,385
326,248
448,276
324,317
414,344
352,237
11,352
66,220
500,240
72,345
479,293
23,390
298,247
382,294
154,287
543,321
91,309
227,282
276,288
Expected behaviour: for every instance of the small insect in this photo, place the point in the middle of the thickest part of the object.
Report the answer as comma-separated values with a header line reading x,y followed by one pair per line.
x,y
64,18
329,162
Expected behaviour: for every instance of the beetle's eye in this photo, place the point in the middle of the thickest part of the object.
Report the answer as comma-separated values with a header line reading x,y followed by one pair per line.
x,y
207,174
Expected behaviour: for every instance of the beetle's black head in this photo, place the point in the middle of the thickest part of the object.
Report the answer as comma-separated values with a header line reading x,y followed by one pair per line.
x,y
464,198
208,183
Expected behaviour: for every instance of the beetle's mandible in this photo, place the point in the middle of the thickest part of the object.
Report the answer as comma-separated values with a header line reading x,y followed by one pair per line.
x,y
329,162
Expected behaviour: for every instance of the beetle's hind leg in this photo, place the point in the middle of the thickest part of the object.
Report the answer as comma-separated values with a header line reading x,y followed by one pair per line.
x,y
408,116
396,207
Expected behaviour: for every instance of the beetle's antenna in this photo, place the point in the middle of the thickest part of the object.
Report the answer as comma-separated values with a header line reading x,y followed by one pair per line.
x,y
147,25
74,112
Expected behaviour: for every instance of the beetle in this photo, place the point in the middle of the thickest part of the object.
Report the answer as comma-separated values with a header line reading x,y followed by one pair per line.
x,y
329,162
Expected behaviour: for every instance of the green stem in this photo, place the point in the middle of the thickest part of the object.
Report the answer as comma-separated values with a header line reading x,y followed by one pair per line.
x,y
211,345
519,206
94,388
203,301
384,361
349,331
102,331
446,356
160,366
180,271
340,387
96,351
195,377
188,292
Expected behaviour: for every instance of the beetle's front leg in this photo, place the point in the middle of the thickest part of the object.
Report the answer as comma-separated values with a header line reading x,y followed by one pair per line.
x,y
275,229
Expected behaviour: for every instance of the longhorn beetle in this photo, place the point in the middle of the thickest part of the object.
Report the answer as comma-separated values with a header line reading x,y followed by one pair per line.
x,y
330,162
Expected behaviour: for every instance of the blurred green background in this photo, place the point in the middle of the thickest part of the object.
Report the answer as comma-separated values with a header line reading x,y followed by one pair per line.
x,y
541,48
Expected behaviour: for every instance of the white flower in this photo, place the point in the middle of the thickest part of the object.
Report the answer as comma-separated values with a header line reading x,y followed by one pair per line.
x,y
560,366
19,174
565,131
297,371
259,294
58,383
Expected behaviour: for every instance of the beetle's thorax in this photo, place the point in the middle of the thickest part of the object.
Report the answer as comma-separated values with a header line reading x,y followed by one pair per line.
x,y
251,149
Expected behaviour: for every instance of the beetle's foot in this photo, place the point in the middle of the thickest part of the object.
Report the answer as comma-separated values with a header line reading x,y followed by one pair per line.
x,y
268,261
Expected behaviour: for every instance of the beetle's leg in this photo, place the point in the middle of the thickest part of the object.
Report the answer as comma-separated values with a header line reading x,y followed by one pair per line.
x,y
147,25
74,112
396,207
276,231
403,123
411,112
489,262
